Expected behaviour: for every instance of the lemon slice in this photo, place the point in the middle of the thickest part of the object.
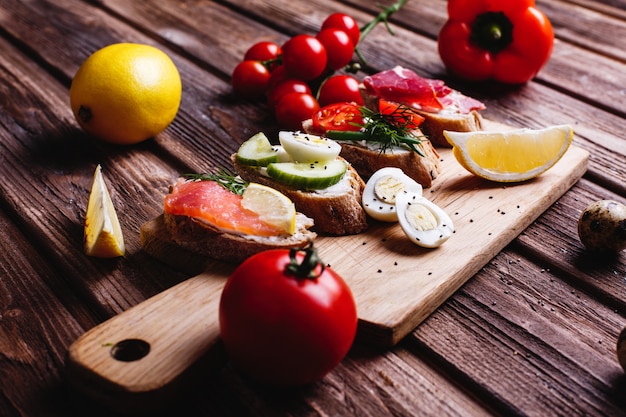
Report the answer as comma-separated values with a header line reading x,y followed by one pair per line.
x,y
272,206
103,234
510,155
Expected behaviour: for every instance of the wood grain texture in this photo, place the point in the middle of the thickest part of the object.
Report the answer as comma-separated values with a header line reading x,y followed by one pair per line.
x,y
531,333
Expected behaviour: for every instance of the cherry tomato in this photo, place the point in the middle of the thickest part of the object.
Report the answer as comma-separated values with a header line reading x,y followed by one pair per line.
x,y
338,45
345,23
277,76
304,57
249,79
287,86
400,114
264,51
294,108
340,88
282,326
338,116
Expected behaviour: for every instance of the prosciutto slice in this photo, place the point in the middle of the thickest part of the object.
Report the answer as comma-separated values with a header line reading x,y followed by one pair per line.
x,y
405,86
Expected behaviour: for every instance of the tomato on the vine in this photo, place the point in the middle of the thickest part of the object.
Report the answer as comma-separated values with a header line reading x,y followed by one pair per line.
x,y
249,79
346,23
264,51
286,319
339,47
291,85
338,116
277,76
304,57
294,108
340,88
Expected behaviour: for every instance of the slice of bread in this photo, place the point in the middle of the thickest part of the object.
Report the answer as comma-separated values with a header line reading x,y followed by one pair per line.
x,y
204,239
367,160
435,123
335,211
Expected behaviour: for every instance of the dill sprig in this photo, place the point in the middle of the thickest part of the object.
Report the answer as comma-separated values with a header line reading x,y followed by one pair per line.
x,y
223,177
390,129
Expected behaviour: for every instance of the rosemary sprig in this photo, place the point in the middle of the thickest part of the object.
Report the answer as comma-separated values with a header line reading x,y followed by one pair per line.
x,y
223,177
389,129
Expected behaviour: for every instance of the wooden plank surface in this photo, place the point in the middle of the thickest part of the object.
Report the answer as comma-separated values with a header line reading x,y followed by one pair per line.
x,y
532,333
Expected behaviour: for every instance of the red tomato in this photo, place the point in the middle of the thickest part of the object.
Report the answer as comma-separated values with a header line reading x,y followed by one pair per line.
x,y
277,76
304,57
338,45
340,88
287,86
294,108
338,116
264,51
345,23
400,115
249,79
281,327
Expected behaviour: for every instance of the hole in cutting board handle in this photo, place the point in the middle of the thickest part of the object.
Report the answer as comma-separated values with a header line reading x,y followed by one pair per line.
x,y
130,350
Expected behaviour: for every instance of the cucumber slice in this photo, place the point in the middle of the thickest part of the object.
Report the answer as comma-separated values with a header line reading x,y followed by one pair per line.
x,y
257,151
308,176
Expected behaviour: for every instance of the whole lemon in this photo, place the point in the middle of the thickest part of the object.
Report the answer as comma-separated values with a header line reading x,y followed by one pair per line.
x,y
126,93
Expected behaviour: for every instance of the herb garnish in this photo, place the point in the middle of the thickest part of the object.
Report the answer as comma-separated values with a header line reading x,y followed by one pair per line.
x,y
390,129
225,178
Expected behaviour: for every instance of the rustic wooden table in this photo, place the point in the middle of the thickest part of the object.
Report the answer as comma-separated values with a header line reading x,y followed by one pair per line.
x,y
532,333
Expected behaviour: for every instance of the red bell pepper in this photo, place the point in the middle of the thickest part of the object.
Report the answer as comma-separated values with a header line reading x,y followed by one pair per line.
x,y
505,40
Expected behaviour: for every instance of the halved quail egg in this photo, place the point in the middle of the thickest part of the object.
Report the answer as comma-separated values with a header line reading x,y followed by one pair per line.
x,y
381,192
303,147
424,222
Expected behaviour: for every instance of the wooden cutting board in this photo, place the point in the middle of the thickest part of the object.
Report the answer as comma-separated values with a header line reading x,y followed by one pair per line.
x,y
396,285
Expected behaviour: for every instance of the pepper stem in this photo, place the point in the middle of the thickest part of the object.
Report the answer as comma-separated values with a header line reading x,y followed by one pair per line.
x,y
311,266
492,31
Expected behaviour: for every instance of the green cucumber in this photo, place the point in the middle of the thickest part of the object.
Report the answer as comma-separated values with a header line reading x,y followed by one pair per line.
x,y
257,151
308,176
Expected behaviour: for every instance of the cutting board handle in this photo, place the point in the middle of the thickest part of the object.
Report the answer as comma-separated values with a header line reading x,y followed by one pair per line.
x,y
141,359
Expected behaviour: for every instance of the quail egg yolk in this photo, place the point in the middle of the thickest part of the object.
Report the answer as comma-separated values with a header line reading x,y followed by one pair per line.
x,y
382,190
425,223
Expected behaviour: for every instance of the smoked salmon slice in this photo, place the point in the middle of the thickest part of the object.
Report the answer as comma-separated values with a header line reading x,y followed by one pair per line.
x,y
210,202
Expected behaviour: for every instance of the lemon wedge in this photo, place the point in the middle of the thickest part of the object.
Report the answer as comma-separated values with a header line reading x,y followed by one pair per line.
x,y
272,206
510,155
103,234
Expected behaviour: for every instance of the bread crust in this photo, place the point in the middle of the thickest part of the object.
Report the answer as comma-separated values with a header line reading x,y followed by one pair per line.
x,y
423,169
204,239
333,214
434,124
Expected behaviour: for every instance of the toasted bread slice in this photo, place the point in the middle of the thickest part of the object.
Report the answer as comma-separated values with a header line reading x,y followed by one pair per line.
x,y
367,160
335,211
435,123
202,238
